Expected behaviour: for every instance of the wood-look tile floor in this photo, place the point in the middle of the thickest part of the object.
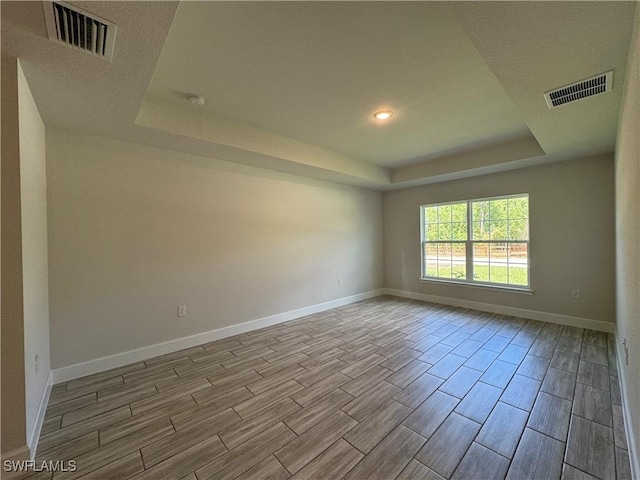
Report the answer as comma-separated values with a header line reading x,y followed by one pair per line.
x,y
382,389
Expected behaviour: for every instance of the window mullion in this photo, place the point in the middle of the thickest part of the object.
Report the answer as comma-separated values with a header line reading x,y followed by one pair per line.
x,y
469,243
423,243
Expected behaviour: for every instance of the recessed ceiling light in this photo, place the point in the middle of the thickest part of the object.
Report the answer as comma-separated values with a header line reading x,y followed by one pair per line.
x,y
196,100
383,115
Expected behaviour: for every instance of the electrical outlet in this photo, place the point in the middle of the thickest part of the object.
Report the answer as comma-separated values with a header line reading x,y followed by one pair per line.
x,y
626,351
182,310
340,282
575,294
37,364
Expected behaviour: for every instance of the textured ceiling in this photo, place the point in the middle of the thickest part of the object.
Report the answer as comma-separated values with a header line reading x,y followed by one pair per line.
x,y
291,86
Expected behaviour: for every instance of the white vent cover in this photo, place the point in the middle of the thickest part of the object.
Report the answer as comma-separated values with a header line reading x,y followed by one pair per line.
x,y
77,28
576,91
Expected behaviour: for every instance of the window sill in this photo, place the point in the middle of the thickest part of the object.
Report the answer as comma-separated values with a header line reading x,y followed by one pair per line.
x,y
484,286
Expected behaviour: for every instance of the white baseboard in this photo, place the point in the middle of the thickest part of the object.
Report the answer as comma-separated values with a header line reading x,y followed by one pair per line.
x,y
634,453
503,310
125,358
34,434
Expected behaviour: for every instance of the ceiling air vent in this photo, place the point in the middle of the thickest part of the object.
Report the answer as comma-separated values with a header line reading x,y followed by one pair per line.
x,y
586,88
80,29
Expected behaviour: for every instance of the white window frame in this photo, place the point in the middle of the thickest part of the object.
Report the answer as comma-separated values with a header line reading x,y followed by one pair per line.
x,y
469,281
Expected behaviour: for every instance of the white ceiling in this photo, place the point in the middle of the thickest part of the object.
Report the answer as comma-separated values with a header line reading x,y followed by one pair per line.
x,y
316,72
291,86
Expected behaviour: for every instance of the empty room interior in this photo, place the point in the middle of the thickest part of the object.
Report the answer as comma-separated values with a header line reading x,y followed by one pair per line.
x,y
320,240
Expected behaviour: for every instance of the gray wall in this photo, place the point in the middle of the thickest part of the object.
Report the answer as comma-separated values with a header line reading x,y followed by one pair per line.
x,y
33,190
628,244
571,237
136,231
13,373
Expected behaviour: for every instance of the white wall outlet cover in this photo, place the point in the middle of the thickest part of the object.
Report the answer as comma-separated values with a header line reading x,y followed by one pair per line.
x,y
182,310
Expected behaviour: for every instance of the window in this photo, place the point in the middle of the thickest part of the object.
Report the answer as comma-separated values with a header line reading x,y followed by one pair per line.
x,y
482,241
